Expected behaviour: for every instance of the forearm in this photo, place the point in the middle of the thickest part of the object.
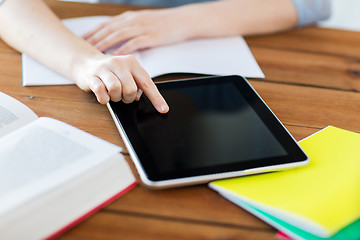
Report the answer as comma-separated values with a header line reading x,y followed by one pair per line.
x,y
30,27
239,17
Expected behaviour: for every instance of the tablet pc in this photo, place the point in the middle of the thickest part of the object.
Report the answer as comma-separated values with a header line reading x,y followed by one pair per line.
x,y
217,127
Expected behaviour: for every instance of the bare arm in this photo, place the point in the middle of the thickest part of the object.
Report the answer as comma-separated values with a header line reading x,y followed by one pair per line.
x,y
30,27
240,17
151,28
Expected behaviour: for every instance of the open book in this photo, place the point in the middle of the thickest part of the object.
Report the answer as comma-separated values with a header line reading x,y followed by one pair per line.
x,y
52,175
320,201
217,56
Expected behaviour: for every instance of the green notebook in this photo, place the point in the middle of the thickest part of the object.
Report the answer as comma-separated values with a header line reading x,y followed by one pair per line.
x,y
349,232
321,199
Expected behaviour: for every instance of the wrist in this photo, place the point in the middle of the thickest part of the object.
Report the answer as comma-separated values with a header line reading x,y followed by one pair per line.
x,y
83,62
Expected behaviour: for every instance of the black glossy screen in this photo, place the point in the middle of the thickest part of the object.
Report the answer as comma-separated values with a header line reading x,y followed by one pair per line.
x,y
214,124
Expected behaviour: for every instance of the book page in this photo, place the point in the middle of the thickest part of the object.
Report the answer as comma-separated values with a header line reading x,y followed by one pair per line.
x,y
217,56
44,155
13,114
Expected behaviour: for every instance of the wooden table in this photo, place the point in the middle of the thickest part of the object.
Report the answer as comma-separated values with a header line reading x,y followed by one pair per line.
x,y
312,80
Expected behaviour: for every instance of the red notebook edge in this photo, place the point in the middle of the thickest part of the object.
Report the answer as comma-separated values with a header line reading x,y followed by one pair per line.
x,y
89,213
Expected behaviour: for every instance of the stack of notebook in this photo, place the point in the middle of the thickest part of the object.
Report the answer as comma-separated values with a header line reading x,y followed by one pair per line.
x,y
320,201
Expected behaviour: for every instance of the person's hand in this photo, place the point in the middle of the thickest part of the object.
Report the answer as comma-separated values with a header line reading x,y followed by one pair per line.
x,y
139,30
117,78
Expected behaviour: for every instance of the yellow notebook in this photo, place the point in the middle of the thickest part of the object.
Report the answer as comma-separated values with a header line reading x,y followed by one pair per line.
x,y
321,198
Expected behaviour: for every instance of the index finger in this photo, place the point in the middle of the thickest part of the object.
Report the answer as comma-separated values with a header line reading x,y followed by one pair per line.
x,y
145,83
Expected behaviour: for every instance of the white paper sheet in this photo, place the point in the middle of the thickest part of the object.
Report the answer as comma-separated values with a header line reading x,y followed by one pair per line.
x,y
217,56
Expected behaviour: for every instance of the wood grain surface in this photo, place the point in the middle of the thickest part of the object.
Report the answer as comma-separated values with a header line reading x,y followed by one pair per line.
x,y
312,81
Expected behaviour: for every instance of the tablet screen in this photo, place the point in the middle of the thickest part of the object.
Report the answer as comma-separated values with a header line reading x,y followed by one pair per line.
x,y
214,125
